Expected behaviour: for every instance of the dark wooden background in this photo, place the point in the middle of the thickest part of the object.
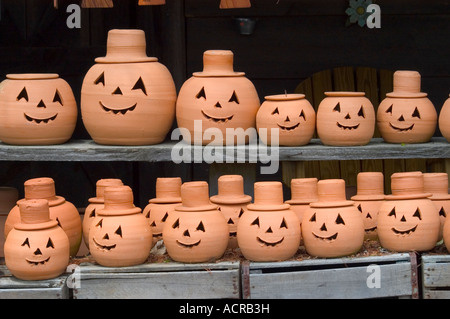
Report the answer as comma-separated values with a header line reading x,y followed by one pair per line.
x,y
292,41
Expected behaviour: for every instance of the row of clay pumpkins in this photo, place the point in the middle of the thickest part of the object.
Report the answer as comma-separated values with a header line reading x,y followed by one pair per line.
x,y
128,98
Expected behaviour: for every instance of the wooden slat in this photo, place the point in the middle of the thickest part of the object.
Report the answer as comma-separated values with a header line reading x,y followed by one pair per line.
x,y
436,271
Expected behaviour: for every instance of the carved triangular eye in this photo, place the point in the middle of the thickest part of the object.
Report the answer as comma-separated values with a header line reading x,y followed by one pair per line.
x,y
241,212
417,214
313,218
100,79
26,242
283,224
359,208
118,231
361,112
201,227
339,220
140,86
165,217
255,222
50,243
92,214
23,95
275,111
416,113
201,94
234,98
302,114
57,97
392,213
337,108
100,223
442,212
389,109
176,224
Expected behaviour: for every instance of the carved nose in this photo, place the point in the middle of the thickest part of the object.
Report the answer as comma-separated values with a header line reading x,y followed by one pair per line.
x,y
401,119
269,230
117,91
186,233
403,219
106,236
347,117
218,105
323,228
41,104
287,119
37,252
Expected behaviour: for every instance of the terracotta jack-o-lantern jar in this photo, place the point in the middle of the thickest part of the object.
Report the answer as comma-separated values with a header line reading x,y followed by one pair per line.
x,y
61,210
195,231
291,115
217,99
332,226
437,185
36,248
303,193
96,203
408,220
120,235
406,115
168,196
128,98
444,120
232,203
345,119
269,230
368,200
36,109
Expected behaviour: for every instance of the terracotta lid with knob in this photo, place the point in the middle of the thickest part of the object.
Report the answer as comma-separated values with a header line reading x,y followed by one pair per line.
x,y
42,188
369,186
331,193
218,63
303,191
437,185
34,215
118,201
231,190
407,185
168,190
268,196
407,85
195,197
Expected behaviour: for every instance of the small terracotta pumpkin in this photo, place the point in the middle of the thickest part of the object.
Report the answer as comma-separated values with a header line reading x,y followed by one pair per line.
x,y
120,235
406,115
232,203
195,231
408,220
168,196
36,109
444,120
96,203
332,226
291,115
128,98
437,185
368,200
345,119
36,248
269,230
217,98
64,212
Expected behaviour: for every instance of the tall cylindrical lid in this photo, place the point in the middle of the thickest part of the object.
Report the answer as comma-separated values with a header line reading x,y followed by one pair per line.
x,y
370,186
331,193
231,190
268,196
195,197
168,190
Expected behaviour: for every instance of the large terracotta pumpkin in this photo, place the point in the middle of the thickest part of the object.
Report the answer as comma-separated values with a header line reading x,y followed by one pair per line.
x,y
128,98
444,120
219,99
408,220
36,109
406,115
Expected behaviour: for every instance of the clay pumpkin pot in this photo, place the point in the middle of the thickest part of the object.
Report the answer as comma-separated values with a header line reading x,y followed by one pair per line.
x,y
64,212
269,230
332,226
120,235
291,115
345,119
168,196
232,203
36,248
37,109
368,199
437,185
195,231
303,193
406,115
408,220
128,98
96,203
217,99
444,120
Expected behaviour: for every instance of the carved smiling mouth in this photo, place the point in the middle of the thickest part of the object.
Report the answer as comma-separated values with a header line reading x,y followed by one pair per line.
x,y
233,234
217,119
40,120
121,111
404,232
402,129
157,234
269,243
347,127
330,238
35,263
370,229
189,245
104,247
288,128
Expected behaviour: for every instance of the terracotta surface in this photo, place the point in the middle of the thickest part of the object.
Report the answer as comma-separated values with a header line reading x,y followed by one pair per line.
x,y
345,119
437,185
291,115
36,248
128,98
332,226
196,231
303,192
269,230
231,4
444,120
37,109
64,212
219,98
408,220
406,115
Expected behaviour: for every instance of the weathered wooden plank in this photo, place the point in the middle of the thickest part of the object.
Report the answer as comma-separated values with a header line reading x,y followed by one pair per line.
x,y
436,294
436,272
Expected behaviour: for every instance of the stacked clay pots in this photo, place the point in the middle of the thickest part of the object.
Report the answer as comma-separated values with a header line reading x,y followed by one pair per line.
x,y
168,196
269,230
62,211
196,230
232,203
332,226
444,120
128,98
408,220
291,115
437,185
368,200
